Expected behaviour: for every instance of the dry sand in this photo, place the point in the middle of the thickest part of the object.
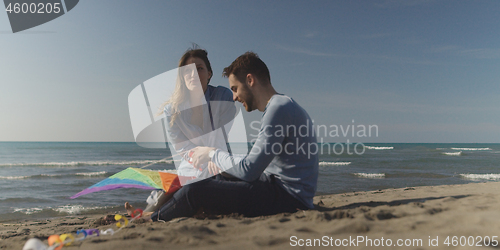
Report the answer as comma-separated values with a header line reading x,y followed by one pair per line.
x,y
411,214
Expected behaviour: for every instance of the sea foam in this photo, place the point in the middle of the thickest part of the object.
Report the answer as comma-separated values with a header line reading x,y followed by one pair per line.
x,y
67,209
471,149
41,176
92,173
478,177
379,148
370,176
453,153
329,163
77,209
13,177
85,163
172,171
28,210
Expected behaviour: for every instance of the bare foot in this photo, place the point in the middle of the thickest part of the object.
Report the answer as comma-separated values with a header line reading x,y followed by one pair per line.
x,y
146,216
130,209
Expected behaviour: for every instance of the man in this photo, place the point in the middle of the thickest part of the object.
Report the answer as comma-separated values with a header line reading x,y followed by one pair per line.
x,y
280,172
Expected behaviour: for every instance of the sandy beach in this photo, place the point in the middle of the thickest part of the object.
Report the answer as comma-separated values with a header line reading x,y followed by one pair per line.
x,y
415,217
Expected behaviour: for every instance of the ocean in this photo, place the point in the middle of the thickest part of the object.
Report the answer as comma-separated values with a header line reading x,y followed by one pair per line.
x,y
36,178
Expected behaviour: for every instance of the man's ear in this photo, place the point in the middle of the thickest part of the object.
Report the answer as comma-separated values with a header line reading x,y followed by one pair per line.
x,y
250,80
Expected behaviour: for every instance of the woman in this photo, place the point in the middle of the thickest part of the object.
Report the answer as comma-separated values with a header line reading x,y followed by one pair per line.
x,y
197,114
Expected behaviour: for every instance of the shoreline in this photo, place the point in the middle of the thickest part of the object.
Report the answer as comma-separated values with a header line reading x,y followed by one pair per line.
x,y
421,213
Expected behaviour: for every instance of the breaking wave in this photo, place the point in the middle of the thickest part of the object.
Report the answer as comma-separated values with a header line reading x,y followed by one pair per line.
x,y
39,176
471,149
370,176
13,177
86,163
479,177
379,148
329,163
60,210
28,210
92,173
453,153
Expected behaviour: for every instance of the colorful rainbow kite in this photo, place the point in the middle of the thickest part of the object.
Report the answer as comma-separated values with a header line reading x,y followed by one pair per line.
x,y
136,178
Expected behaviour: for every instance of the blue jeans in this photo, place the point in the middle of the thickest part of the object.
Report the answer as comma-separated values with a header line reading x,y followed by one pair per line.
x,y
220,196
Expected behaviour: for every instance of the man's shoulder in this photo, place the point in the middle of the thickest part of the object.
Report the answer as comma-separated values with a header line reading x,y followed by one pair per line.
x,y
281,102
280,107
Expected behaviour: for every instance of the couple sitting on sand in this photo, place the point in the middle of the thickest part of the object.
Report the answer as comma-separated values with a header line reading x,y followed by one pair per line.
x,y
278,175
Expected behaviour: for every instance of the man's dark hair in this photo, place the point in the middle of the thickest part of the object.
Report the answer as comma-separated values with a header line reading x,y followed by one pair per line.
x,y
248,63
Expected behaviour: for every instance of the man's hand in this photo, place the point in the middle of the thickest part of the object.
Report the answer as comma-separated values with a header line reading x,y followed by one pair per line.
x,y
213,169
200,156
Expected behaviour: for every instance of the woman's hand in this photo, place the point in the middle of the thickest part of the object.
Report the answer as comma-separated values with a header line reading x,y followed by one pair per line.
x,y
213,169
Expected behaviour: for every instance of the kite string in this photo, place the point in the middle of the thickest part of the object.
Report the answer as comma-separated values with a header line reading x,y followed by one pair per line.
x,y
153,163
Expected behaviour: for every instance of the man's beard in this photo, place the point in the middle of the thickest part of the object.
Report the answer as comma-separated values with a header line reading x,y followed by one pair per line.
x,y
249,100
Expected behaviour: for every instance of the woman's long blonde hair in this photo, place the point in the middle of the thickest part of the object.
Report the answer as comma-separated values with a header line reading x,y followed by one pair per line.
x,y
181,92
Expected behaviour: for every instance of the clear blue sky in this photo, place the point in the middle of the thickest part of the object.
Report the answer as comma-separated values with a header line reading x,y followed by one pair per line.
x,y
421,70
